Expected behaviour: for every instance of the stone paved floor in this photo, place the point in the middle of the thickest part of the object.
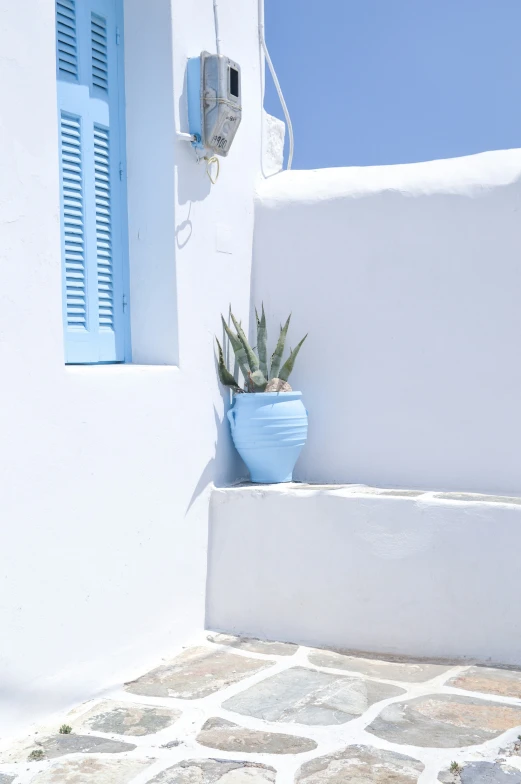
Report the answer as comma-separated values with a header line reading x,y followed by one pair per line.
x,y
231,711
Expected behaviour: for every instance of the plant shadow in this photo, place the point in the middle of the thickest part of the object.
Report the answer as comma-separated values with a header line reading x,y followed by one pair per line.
x,y
226,466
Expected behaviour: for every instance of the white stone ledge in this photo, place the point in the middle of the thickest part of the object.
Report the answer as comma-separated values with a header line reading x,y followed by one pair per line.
x,y
402,572
364,490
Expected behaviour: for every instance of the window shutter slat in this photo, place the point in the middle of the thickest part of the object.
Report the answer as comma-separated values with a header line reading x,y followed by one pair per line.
x,y
98,28
66,38
103,227
73,222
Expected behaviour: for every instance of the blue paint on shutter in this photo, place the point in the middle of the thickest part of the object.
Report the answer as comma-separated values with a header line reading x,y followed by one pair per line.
x,y
73,222
66,40
103,226
93,197
98,27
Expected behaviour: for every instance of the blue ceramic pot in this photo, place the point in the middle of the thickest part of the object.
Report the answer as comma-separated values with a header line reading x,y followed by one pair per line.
x,y
269,430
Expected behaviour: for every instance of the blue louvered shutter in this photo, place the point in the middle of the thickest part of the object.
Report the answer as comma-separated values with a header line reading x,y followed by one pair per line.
x,y
90,102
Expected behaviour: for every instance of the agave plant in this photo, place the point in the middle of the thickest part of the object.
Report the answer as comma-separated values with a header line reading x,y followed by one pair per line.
x,y
258,377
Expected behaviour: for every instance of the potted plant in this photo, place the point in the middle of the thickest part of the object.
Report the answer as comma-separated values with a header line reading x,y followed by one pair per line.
x,y
268,421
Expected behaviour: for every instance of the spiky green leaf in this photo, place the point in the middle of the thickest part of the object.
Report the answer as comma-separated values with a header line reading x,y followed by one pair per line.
x,y
262,343
259,381
276,358
238,350
225,376
287,367
252,359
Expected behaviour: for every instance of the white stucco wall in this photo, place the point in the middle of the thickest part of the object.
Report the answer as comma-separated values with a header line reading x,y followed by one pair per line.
x,y
407,279
104,470
425,575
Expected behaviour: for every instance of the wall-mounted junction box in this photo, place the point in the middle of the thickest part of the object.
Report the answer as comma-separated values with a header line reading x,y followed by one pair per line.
x,y
214,101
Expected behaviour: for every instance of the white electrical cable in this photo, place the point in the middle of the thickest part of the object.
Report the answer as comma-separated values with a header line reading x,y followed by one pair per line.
x,y
216,20
262,39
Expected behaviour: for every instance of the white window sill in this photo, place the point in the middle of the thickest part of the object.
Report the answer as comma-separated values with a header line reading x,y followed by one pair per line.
x,y
117,369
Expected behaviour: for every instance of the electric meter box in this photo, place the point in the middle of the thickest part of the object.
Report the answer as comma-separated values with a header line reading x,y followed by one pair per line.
x,y
214,101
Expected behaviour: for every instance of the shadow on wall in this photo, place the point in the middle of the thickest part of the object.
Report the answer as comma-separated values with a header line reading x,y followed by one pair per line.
x,y
183,230
225,467
193,184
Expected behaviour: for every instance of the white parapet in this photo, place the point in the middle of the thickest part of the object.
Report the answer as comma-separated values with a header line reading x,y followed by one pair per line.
x,y
407,279
399,572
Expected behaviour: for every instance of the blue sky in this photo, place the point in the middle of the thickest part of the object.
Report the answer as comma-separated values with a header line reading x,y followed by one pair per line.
x,y
394,81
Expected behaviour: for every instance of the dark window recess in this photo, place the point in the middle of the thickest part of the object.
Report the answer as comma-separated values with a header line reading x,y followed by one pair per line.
x,y
234,82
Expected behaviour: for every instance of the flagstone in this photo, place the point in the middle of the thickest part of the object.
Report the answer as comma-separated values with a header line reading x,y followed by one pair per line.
x,y
225,735
59,745
305,696
361,765
216,772
376,668
254,646
482,773
444,721
489,680
122,718
196,673
92,771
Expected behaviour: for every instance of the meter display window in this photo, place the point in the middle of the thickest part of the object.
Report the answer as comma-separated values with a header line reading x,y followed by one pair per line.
x,y
234,82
